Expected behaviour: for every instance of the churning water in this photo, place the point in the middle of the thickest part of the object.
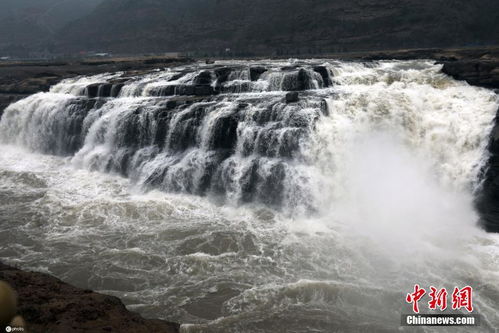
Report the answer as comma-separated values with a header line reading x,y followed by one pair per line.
x,y
199,194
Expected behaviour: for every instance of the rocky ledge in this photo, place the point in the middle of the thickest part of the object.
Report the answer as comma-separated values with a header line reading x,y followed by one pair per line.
x,y
49,305
478,66
19,79
478,72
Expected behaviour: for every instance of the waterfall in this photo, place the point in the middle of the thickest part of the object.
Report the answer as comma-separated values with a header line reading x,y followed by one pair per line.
x,y
233,131
257,196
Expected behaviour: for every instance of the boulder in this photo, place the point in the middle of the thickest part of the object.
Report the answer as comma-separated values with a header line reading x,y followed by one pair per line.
x,y
256,72
482,73
171,104
185,90
203,90
324,108
92,91
116,89
164,91
105,90
8,304
225,132
297,81
488,195
222,74
292,97
324,73
203,78
176,77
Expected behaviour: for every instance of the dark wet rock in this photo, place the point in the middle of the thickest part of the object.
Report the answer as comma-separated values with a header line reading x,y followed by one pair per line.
x,y
272,188
32,77
21,79
222,74
292,97
324,73
225,132
105,90
484,73
27,86
297,81
184,134
176,76
49,305
185,90
184,100
169,90
116,89
45,75
203,78
256,72
170,105
325,108
67,142
203,90
242,106
487,198
92,90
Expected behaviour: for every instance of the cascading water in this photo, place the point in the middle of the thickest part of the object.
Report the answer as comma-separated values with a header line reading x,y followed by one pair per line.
x,y
241,147
276,212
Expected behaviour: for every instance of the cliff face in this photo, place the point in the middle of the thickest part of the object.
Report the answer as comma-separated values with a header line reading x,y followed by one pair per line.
x,y
282,26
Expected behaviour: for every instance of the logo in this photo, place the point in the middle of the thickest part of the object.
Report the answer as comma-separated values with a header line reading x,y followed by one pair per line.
x,y
440,299
461,298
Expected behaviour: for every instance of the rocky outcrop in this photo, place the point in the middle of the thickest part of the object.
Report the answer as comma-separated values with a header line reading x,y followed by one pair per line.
x,y
12,89
292,97
482,70
478,66
110,89
325,75
256,71
49,305
21,79
484,73
487,199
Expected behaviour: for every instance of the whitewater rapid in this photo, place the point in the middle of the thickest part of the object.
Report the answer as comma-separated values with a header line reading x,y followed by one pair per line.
x,y
376,174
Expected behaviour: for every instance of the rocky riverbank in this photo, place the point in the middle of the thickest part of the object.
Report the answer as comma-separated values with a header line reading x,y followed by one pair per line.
x,y
23,78
478,66
49,305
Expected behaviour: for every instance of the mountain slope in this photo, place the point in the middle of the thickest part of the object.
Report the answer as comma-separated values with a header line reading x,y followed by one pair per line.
x,y
31,24
282,26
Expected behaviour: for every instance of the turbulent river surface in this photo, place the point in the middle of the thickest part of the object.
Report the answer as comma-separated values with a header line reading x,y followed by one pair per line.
x,y
212,195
